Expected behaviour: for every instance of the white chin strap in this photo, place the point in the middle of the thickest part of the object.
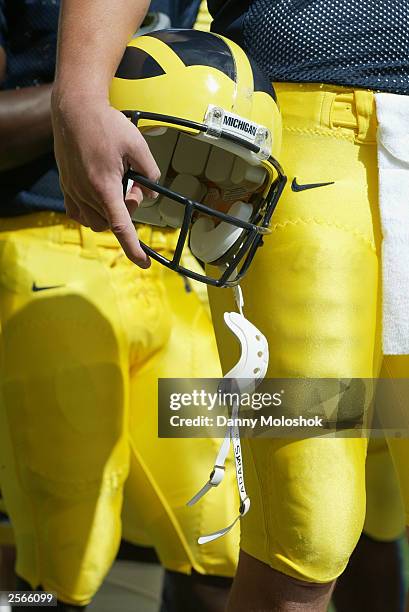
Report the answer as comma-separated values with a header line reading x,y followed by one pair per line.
x,y
209,241
248,374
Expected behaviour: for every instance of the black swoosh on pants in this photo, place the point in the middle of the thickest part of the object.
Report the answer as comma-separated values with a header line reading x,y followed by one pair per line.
x,y
35,288
297,187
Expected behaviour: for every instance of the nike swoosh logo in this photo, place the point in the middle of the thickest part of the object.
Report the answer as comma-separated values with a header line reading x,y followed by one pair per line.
x,y
296,187
35,288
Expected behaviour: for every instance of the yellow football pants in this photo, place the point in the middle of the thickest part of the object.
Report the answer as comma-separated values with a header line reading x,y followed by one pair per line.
x,y
84,336
314,291
384,518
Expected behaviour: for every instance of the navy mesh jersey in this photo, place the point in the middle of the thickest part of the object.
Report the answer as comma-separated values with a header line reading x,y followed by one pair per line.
x,y
360,43
28,34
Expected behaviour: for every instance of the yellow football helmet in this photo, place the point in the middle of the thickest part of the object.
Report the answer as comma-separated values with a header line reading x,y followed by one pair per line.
x,y
213,125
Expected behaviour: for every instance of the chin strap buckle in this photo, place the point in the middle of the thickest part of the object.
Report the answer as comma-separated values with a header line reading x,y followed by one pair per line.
x,y
247,375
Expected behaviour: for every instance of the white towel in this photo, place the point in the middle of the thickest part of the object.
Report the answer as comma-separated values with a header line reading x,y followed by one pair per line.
x,y
393,162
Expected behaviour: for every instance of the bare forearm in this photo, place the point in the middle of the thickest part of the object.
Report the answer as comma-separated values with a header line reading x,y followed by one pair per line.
x,y
95,143
92,38
25,125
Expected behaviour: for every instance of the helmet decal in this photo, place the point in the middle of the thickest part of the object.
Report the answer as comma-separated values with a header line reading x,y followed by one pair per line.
x,y
198,48
261,81
138,64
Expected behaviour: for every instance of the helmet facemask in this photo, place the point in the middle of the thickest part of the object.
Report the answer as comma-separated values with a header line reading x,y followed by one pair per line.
x,y
219,188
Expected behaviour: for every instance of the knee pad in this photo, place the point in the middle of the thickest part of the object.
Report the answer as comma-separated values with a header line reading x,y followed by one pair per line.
x,y
308,504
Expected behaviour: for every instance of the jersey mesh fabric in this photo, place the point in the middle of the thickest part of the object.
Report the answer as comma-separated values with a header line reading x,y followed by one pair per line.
x,y
361,43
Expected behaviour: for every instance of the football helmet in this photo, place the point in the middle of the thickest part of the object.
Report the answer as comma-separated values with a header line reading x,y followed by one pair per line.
x,y
212,122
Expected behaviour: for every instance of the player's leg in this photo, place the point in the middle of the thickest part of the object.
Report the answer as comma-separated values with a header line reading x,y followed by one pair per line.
x,y
194,591
23,585
374,577
400,454
63,407
397,367
8,579
165,473
312,290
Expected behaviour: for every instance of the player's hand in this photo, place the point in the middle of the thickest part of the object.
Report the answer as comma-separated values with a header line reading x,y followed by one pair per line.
x,y
94,145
